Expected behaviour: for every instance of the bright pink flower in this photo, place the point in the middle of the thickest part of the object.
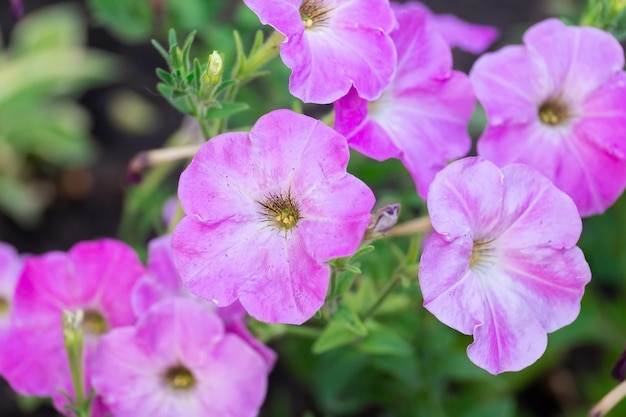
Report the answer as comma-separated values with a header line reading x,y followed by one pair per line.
x,y
459,33
422,116
265,210
95,277
10,268
503,264
331,45
558,103
163,281
178,361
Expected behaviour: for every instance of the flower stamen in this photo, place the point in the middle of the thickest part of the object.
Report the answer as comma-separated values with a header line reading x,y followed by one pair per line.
x,y
554,112
313,13
179,378
94,323
4,305
281,210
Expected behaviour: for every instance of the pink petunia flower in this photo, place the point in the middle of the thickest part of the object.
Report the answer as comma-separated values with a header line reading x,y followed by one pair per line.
x,y
503,264
10,267
422,116
163,281
331,45
95,277
178,361
558,103
264,211
459,33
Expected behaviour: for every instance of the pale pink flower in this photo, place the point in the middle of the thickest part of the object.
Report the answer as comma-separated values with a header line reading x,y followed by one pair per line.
x,y
558,103
163,281
331,45
179,361
264,211
503,264
422,116
95,277
10,268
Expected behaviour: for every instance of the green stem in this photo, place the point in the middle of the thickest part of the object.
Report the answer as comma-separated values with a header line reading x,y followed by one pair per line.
x,y
389,287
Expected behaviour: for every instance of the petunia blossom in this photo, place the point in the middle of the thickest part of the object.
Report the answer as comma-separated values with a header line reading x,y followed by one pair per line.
x,y
422,116
179,361
459,33
558,103
502,264
331,45
163,281
10,268
264,211
95,277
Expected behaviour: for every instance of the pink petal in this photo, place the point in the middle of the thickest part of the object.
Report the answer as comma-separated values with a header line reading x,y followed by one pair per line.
x,y
223,181
451,291
453,200
549,280
573,65
290,286
337,211
531,202
511,84
467,36
510,338
605,116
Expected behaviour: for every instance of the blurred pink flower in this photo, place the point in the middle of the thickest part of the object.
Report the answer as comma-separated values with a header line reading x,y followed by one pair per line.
x,y
163,281
558,103
503,264
459,33
331,45
264,211
178,361
422,116
95,277
10,268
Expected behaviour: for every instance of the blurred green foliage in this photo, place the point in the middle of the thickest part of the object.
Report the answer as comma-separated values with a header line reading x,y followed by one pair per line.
x,y
42,128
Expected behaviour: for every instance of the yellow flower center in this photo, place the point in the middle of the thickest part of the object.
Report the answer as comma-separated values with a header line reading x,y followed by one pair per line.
x,y
482,253
4,306
179,378
313,13
94,323
554,113
281,211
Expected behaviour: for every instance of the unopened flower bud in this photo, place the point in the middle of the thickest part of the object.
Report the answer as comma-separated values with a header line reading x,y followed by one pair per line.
x,y
619,371
214,70
386,218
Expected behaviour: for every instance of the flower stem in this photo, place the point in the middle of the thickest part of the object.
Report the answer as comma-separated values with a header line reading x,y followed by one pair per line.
x,y
609,401
412,227
391,284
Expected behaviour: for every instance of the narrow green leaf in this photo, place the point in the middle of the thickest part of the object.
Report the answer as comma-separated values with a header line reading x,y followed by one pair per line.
x,y
161,51
225,110
333,336
349,319
383,340
258,42
164,76
172,39
225,85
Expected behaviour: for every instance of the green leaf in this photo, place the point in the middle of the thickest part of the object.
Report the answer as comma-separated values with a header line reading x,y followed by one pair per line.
x,y
164,76
344,282
334,335
225,110
161,51
224,85
501,407
383,340
349,319
57,27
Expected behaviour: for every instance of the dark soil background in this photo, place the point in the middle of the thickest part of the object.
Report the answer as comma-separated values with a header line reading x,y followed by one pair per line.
x,y
96,212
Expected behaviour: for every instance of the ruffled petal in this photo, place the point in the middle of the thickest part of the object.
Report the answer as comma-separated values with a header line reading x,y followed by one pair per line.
x,y
466,187
289,286
510,338
572,55
511,84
